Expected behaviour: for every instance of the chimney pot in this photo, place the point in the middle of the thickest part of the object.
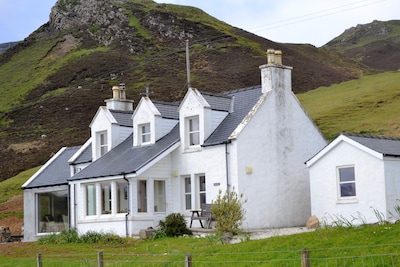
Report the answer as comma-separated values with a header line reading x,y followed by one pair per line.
x,y
278,57
115,90
270,56
122,91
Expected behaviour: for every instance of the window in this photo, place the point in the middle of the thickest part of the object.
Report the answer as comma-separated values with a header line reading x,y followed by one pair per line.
x,y
142,196
159,196
347,184
194,131
202,189
145,135
91,199
188,193
53,211
103,146
122,197
106,198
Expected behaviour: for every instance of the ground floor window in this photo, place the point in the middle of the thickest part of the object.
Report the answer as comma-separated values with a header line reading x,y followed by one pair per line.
x,y
52,211
106,198
194,191
347,182
187,193
142,196
159,196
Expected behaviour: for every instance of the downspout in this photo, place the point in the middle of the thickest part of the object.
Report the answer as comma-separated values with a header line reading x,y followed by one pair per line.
x,y
128,213
227,165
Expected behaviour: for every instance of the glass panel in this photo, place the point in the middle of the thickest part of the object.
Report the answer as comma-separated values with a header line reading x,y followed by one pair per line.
x,y
122,200
53,211
159,196
346,174
202,186
145,129
142,196
90,199
348,189
194,131
103,143
188,193
106,201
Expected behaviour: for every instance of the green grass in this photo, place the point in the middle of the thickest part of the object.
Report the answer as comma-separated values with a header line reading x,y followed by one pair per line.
x,y
341,246
369,105
12,187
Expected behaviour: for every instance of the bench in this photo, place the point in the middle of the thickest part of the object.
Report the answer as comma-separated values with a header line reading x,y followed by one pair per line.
x,y
203,214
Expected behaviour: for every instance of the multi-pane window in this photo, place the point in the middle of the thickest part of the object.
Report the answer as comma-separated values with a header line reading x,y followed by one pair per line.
x,y
106,198
122,197
90,199
159,196
142,196
188,193
347,182
202,189
103,145
145,134
194,131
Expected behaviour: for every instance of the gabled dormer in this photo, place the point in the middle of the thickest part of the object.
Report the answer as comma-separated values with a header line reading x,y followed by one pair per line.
x,y
147,123
195,120
110,126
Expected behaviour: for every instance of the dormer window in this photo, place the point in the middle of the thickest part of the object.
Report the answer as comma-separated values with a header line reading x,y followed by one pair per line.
x,y
145,133
102,143
194,131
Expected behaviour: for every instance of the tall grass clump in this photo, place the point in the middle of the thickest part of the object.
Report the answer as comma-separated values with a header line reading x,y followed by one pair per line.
x,y
72,237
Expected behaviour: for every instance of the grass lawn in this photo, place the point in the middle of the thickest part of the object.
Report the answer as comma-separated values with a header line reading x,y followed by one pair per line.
x,y
353,246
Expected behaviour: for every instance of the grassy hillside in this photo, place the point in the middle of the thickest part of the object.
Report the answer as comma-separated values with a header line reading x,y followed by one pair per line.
x,y
12,186
369,105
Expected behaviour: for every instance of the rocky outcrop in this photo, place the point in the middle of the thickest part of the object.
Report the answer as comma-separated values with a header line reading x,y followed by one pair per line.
x,y
100,18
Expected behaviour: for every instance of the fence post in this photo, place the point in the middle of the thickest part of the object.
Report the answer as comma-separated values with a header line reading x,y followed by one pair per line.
x,y
305,258
188,260
39,260
100,262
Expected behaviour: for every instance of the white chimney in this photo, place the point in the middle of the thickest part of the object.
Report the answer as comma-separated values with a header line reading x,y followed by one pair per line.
x,y
274,75
119,101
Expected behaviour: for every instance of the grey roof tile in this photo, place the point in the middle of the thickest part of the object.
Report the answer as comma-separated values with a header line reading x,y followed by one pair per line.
x,y
125,158
85,156
244,99
167,110
56,173
218,102
124,118
385,145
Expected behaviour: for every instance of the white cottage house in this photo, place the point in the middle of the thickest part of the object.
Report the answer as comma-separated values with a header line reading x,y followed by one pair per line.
x,y
142,164
355,179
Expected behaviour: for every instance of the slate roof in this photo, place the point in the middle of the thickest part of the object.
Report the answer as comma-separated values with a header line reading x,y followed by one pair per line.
x,y
384,145
167,110
218,102
125,158
56,173
124,118
85,156
244,100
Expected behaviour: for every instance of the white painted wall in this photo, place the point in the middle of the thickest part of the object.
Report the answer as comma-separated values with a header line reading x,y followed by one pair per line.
x,y
271,152
392,183
370,186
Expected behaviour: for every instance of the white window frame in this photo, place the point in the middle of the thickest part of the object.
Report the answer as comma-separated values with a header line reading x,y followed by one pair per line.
x,y
160,200
201,191
187,193
144,136
102,141
341,182
191,133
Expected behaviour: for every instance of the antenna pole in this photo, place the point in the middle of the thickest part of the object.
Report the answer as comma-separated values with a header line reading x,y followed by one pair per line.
x,y
187,64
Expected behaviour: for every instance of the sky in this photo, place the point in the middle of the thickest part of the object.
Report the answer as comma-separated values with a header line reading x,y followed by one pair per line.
x,y
313,22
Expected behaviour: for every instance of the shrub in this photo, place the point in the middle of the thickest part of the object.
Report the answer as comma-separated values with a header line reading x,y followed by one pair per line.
x,y
174,225
228,212
71,236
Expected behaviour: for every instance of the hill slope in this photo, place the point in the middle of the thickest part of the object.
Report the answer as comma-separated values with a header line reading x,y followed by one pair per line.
x,y
376,44
53,82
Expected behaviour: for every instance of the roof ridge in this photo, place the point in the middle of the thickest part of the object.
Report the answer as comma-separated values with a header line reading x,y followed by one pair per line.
x,y
371,136
242,89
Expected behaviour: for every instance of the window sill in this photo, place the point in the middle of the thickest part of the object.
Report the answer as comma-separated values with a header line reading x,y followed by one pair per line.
x,y
347,200
193,149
